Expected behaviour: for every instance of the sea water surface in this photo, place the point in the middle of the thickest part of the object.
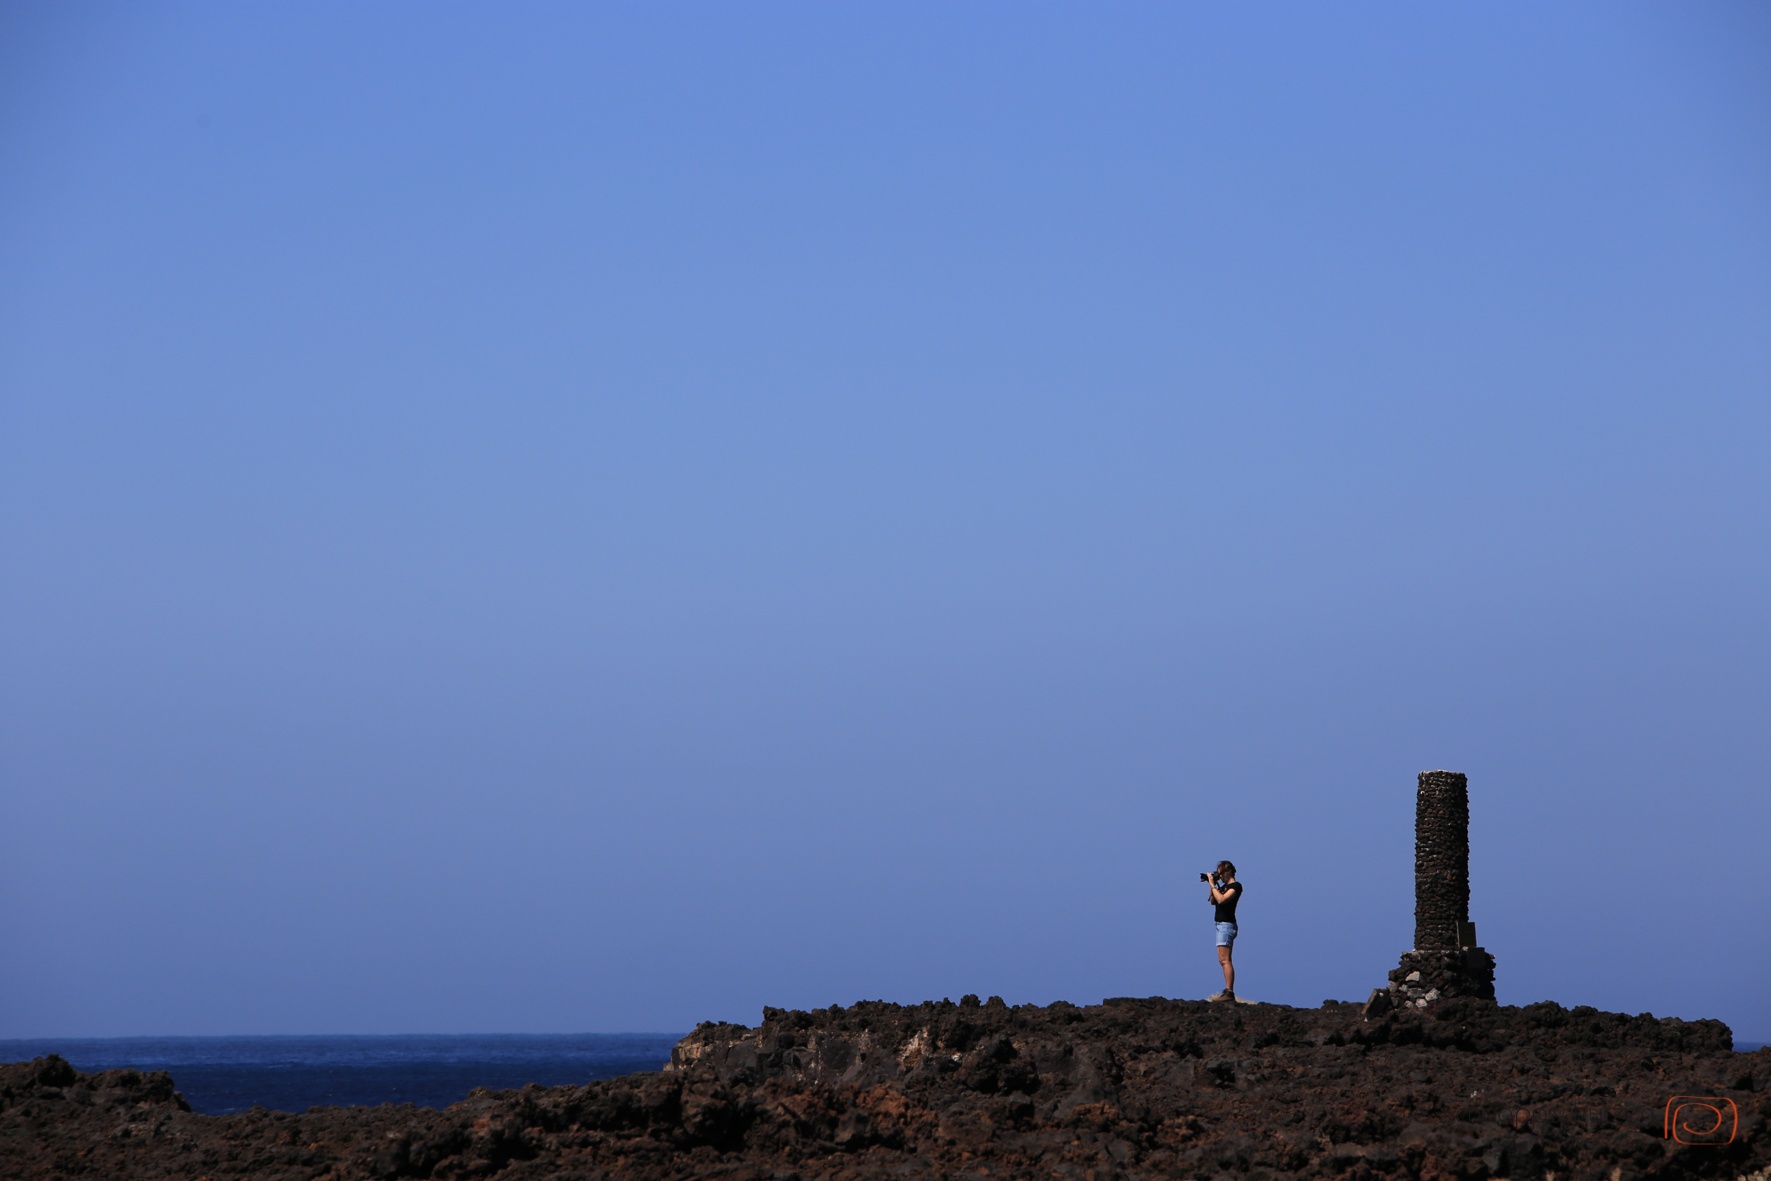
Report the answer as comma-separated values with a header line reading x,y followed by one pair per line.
x,y
217,1075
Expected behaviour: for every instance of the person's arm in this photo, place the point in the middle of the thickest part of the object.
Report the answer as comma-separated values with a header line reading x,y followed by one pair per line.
x,y
1218,895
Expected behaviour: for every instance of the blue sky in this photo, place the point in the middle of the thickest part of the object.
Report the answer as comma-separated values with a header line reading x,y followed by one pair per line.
x,y
598,517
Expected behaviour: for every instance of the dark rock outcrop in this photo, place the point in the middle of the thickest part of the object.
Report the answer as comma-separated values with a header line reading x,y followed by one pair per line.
x,y
1130,1088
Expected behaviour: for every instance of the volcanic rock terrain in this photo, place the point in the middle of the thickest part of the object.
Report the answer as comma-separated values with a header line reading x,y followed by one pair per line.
x,y
1129,1088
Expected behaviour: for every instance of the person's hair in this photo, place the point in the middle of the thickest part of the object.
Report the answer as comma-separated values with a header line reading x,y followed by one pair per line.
x,y
1228,867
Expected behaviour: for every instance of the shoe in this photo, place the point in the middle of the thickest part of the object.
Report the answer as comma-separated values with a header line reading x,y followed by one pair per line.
x,y
1225,995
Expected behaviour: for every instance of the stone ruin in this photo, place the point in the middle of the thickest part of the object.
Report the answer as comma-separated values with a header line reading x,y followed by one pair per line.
x,y
1446,960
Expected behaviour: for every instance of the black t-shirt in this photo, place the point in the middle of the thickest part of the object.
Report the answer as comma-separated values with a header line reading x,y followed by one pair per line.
x,y
1226,910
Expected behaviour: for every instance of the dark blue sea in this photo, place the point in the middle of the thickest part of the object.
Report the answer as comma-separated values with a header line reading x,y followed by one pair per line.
x,y
218,1075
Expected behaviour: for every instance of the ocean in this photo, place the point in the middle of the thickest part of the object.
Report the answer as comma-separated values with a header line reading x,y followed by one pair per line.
x,y
218,1075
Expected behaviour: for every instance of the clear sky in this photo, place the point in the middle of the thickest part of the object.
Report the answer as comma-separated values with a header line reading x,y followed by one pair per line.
x,y
567,517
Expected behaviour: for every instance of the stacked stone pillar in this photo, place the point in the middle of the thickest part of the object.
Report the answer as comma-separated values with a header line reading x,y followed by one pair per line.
x,y
1445,961
1441,860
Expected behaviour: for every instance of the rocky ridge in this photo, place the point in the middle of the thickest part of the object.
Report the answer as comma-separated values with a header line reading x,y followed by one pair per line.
x,y
1129,1088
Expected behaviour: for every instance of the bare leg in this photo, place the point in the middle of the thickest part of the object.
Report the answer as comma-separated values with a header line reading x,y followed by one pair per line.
x,y
1229,969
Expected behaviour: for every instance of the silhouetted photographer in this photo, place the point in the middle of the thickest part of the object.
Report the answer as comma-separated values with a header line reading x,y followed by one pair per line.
x,y
1225,892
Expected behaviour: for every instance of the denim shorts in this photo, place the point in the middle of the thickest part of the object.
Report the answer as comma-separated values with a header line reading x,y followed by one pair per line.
x,y
1226,934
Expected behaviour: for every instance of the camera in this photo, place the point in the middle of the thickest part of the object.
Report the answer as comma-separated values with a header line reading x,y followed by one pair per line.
x,y
1205,877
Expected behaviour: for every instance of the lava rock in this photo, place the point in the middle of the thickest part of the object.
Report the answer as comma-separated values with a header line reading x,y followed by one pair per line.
x,y
1129,1088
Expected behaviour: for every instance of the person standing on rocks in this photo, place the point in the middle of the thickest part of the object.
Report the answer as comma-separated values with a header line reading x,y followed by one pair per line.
x,y
1225,891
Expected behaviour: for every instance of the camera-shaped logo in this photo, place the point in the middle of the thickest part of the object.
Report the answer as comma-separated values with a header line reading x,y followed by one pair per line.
x,y
1692,1119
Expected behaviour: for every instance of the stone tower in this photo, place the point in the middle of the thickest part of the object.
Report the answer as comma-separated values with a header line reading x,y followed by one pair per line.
x,y
1441,861
1445,960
